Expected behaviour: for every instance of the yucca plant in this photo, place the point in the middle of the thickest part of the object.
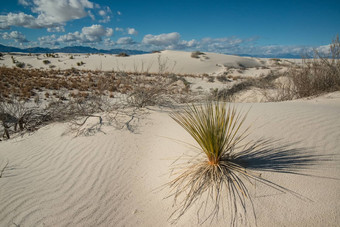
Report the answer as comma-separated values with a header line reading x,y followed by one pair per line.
x,y
222,170
216,127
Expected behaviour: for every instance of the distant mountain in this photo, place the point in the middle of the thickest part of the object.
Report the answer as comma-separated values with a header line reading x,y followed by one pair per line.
x,y
90,50
70,49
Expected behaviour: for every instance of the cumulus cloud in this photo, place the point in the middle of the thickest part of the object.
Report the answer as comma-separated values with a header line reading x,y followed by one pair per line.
x,y
132,31
168,39
56,29
50,13
48,41
108,42
105,14
18,19
16,36
24,2
92,34
60,11
125,41
91,15
119,29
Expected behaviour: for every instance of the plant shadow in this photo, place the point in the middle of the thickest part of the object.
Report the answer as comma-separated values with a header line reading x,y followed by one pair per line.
x,y
276,156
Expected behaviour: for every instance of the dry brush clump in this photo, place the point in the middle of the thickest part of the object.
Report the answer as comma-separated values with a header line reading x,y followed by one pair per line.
x,y
197,54
263,82
318,75
65,93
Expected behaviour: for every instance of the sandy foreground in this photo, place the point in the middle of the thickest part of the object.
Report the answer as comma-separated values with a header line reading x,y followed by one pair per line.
x,y
111,177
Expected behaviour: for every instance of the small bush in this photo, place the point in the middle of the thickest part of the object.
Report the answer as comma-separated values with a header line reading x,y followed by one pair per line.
x,y
211,79
80,63
222,78
46,62
196,54
20,65
123,54
319,75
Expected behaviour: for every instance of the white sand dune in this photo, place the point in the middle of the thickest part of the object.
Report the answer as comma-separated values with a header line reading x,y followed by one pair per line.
x,y
166,61
109,178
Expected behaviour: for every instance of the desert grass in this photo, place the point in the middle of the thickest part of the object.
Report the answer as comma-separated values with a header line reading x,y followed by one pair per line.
x,y
218,178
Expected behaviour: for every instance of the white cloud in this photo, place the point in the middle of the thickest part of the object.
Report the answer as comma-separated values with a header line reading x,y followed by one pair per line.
x,y
132,31
92,34
125,41
24,2
60,11
119,29
109,42
105,14
91,15
119,13
56,29
18,19
71,37
16,36
102,13
51,13
162,39
49,41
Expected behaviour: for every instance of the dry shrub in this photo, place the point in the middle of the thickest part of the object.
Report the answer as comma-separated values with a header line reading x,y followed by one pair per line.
x,y
320,74
196,54
122,54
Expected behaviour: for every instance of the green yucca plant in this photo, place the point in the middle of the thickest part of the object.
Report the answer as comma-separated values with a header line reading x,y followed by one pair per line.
x,y
216,128
223,170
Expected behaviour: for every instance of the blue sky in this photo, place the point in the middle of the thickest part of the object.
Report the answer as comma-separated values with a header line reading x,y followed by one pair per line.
x,y
234,27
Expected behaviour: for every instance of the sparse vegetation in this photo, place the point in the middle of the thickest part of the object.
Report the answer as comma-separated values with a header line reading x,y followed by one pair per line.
x,y
20,65
216,128
46,62
80,63
222,78
122,54
197,54
318,75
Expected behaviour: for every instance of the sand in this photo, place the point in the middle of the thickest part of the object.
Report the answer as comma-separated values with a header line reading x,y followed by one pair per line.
x,y
165,61
112,177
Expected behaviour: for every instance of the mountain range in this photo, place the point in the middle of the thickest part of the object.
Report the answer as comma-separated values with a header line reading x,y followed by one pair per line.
x,y
91,50
69,49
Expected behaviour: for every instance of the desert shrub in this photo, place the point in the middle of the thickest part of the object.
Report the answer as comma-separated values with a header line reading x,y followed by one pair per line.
x,y
20,64
122,54
13,60
320,74
80,63
196,54
222,78
211,79
141,96
46,62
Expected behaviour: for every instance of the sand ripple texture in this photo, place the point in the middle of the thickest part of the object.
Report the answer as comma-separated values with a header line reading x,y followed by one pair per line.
x,y
110,179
